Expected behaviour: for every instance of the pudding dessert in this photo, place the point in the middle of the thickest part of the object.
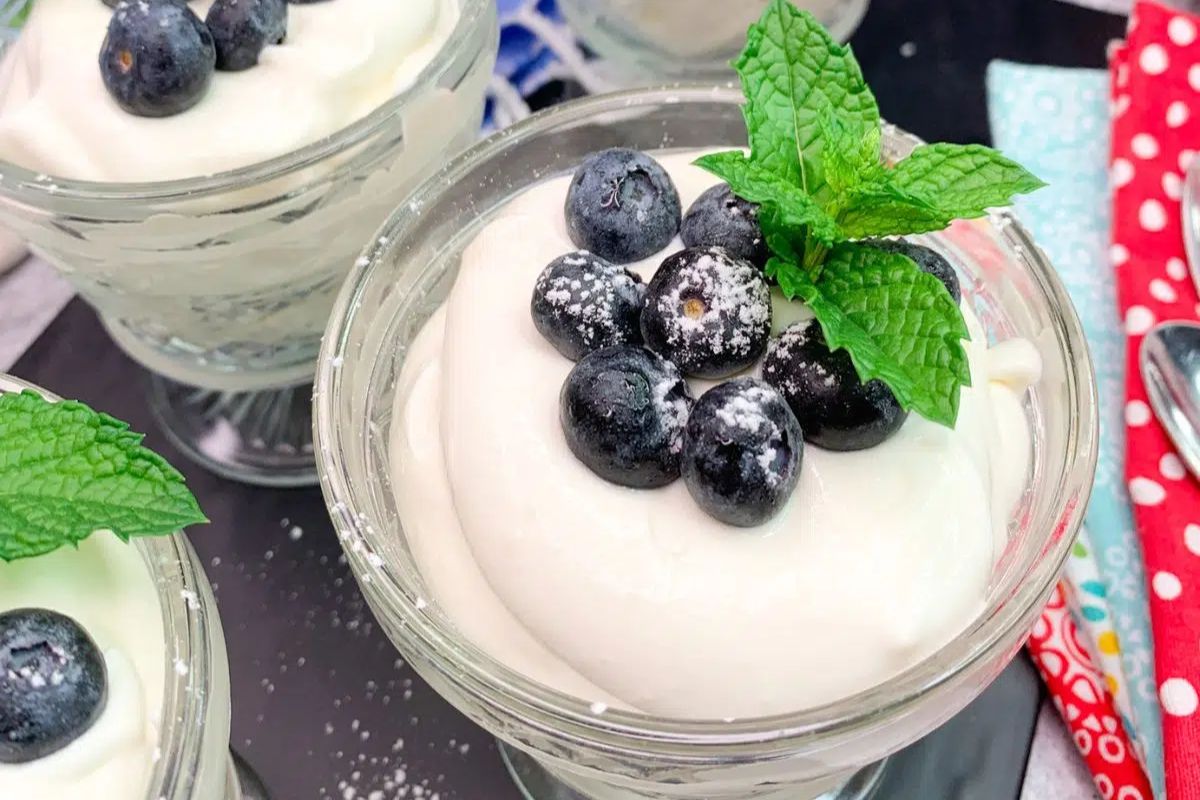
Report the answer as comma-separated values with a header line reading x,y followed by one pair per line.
x,y
709,410
205,175
780,470
113,674
876,559
249,80
96,646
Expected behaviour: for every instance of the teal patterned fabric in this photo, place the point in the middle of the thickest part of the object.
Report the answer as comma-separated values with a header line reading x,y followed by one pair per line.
x,y
1055,121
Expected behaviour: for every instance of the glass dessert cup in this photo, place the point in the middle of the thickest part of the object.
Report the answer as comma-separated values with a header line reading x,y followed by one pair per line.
x,y
193,757
222,285
557,745
648,41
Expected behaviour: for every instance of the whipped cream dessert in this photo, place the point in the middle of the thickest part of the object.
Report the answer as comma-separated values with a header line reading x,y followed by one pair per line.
x,y
639,599
340,60
106,588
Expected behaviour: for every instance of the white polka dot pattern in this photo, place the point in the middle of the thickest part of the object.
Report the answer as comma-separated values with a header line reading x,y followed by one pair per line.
x,y
1166,585
1177,114
1137,413
1138,320
1121,172
1162,291
1144,146
1191,538
1153,59
1172,467
1152,216
1162,58
1146,492
1172,186
1178,697
1181,31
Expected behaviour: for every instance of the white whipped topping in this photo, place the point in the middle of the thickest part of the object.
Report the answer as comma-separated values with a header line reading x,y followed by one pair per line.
x,y
341,60
638,598
105,587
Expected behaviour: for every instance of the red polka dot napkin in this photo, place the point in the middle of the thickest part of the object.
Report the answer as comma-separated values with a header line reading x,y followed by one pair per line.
x,y
1156,131
1078,692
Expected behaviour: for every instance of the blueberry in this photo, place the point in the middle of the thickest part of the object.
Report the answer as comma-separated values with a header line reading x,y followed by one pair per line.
x,y
708,312
241,29
836,409
623,410
928,260
582,303
742,450
53,683
158,57
720,218
622,206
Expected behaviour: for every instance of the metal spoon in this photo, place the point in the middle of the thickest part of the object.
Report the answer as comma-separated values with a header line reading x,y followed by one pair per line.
x,y
1170,364
1169,357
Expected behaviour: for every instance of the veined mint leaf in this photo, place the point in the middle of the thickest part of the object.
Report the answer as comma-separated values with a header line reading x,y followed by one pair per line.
x,y
792,72
882,209
962,181
752,181
851,156
67,471
897,322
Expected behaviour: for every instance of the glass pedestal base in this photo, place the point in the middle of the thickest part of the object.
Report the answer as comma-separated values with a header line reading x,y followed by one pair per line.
x,y
536,783
248,785
262,438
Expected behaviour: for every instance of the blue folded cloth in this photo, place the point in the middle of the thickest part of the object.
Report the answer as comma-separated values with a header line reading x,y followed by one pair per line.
x,y
1055,122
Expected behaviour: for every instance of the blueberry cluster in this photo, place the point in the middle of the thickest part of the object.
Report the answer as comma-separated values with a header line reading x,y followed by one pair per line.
x,y
53,684
626,408
158,57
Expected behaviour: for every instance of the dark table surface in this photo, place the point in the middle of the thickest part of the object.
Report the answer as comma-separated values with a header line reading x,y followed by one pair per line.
x,y
324,708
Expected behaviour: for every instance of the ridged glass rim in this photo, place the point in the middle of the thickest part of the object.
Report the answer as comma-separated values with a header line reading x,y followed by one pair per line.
x,y
22,185
564,716
188,635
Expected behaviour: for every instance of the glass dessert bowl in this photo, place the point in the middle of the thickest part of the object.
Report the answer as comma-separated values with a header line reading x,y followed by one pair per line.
x,y
221,285
556,739
654,41
179,669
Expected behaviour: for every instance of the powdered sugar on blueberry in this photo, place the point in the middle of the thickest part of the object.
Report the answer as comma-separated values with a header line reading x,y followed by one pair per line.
x,y
708,312
582,303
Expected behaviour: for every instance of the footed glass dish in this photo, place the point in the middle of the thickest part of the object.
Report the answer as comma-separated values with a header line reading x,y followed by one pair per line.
x,y
222,285
558,746
194,760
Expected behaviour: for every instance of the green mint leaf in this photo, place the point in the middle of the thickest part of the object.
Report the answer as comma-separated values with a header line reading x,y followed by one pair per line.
x,y
792,73
750,180
882,209
962,181
898,323
851,156
67,471
793,280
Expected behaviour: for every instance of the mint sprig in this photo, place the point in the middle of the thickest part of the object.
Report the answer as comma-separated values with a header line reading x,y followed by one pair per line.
x,y
67,471
889,315
816,170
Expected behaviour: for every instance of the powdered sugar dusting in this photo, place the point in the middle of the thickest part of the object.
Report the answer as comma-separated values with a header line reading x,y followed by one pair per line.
x,y
673,406
588,301
712,304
